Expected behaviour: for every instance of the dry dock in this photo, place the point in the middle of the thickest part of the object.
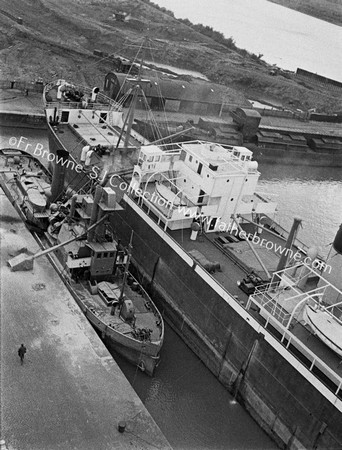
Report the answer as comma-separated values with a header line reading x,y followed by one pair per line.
x,y
69,393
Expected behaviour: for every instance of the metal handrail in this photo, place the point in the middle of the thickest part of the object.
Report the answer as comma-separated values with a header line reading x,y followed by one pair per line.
x,y
303,349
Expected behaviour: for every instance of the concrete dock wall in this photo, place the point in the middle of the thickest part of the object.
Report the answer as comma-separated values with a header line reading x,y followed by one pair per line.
x,y
13,119
275,393
69,393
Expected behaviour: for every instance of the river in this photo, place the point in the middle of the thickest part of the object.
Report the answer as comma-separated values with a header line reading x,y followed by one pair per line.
x,y
283,36
313,194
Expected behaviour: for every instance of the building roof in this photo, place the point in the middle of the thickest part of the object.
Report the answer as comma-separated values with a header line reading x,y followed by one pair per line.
x,y
249,112
193,90
102,246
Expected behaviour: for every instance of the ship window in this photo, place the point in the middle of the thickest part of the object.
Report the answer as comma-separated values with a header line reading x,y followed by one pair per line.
x,y
98,255
150,158
103,117
231,199
184,180
242,157
65,116
157,158
190,158
228,181
105,255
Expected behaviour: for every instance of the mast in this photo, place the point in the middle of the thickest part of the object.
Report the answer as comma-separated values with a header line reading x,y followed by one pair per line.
x,y
129,255
133,104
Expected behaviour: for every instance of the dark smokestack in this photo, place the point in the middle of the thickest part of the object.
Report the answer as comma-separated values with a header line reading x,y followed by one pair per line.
x,y
59,169
337,244
94,212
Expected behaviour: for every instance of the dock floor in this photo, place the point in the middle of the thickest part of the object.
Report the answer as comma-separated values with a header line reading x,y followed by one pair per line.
x,y
69,393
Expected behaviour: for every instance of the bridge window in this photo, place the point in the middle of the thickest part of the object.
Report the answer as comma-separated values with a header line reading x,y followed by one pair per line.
x,y
65,116
103,117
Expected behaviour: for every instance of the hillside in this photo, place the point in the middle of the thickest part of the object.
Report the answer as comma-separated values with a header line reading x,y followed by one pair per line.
x,y
58,37
328,10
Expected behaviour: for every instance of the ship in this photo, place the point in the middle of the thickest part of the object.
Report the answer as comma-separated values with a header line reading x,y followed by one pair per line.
x,y
201,232
76,235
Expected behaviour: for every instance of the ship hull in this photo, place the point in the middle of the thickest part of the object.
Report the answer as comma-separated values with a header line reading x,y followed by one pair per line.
x,y
224,336
143,354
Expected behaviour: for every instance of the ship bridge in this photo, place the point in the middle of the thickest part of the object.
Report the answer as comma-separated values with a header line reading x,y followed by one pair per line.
x,y
182,182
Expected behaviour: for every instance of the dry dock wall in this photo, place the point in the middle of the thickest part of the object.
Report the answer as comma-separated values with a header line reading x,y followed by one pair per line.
x,y
277,395
13,119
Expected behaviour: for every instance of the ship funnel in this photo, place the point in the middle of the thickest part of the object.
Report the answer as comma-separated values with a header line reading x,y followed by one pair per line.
x,y
292,235
337,244
94,93
94,211
57,185
332,270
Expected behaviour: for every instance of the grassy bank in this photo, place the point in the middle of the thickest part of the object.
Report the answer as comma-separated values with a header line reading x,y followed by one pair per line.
x,y
328,10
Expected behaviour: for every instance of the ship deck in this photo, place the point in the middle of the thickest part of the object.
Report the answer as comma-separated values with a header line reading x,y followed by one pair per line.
x,y
73,140
235,261
144,317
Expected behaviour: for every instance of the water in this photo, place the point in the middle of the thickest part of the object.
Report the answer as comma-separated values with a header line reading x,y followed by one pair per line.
x,y
311,193
285,37
191,407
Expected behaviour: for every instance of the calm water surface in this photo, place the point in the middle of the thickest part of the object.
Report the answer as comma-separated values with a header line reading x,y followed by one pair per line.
x,y
285,37
313,194
190,406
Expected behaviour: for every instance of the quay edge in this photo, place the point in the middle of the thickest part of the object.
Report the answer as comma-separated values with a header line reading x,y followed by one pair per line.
x,y
69,393
275,388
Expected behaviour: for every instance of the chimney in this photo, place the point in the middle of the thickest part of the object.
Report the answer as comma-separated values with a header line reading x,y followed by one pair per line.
x,y
59,169
93,218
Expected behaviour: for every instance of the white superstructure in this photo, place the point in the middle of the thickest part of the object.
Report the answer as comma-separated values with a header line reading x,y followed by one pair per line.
x,y
191,180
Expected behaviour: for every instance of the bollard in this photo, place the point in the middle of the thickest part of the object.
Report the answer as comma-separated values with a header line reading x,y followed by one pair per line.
x,y
122,426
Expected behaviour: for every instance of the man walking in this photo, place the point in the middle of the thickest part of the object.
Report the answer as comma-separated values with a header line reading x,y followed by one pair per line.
x,y
21,353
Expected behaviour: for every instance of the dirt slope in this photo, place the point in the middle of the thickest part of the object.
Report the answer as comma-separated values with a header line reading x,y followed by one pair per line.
x,y
58,37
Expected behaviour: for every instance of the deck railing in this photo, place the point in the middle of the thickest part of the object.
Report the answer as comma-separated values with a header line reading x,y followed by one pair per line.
x,y
102,101
315,364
